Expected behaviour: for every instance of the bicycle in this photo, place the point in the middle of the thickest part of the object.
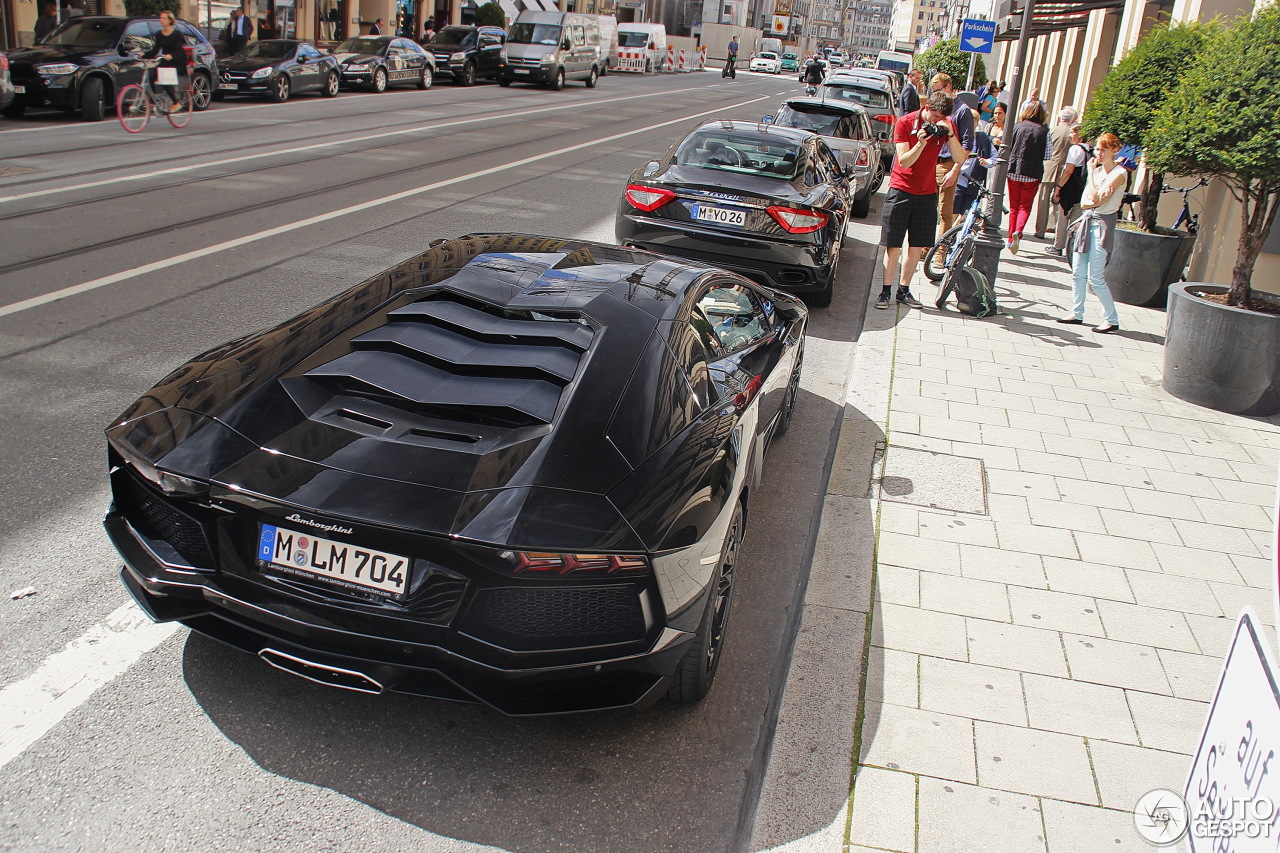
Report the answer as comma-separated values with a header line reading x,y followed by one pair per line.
x,y
955,248
1186,219
136,101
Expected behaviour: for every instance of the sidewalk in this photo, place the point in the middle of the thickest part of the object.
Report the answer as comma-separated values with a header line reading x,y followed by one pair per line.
x,y
1052,552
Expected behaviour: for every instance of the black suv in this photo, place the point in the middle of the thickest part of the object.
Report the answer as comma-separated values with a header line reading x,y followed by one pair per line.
x,y
467,53
85,62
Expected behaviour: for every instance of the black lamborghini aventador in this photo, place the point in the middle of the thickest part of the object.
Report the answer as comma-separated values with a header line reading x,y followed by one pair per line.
x,y
511,470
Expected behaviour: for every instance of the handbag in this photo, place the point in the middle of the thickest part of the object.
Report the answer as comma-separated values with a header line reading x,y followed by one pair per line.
x,y
167,76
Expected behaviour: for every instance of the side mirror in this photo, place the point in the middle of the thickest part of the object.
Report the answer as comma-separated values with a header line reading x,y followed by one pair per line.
x,y
124,51
566,45
767,120
302,60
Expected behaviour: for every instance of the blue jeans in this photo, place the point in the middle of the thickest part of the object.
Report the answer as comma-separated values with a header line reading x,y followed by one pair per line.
x,y
1089,268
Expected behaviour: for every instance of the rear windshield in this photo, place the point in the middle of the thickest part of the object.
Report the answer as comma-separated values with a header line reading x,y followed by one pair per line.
x,y
268,50
534,34
873,98
359,46
455,36
813,119
633,39
747,155
86,34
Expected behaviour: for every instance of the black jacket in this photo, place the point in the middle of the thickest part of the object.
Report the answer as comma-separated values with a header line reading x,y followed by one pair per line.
x,y
814,73
1027,149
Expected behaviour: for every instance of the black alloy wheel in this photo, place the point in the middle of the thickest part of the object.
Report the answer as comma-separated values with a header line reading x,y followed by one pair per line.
x,y
279,91
331,85
591,79
789,401
93,104
201,91
558,82
380,80
425,81
697,670
823,297
467,76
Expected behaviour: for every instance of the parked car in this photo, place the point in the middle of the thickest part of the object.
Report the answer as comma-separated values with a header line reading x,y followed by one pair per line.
x,y
512,470
550,48
468,54
6,85
790,62
376,62
277,68
893,78
87,60
768,202
767,62
876,96
846,128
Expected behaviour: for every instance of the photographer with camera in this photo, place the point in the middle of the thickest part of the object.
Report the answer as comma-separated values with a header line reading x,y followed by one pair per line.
x,y
911,205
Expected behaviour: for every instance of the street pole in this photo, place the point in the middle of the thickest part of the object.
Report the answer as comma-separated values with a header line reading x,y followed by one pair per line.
x,y
973,64
987,247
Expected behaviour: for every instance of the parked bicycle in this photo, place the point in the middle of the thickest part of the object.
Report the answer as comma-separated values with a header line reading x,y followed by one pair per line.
x,y
137,101
948,260
1187,220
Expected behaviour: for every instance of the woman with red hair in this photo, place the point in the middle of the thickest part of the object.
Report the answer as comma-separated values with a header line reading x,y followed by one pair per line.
x,y
1090,236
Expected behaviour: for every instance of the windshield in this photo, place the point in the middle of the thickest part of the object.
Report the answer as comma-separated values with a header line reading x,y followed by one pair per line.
x,y
534,34
268,50
455,36
812,120
873,98
789,56
633,39
747,155
359,46
766,55
101,34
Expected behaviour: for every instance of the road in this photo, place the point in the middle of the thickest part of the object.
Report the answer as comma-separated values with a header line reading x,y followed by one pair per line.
x,y
121,257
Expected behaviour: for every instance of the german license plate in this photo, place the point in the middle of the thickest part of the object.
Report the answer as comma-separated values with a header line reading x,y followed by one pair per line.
x,y
21,90
345,565
719,215
228,86
520,71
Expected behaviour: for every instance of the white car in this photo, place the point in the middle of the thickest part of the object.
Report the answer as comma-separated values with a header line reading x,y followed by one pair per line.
x,y
766,61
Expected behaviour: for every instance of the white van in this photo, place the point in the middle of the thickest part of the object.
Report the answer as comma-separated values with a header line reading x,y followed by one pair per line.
x,y
550,48
650,36
608,42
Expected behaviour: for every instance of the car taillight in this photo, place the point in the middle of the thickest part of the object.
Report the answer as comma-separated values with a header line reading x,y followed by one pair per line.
x,y
562,564
798,221
648,198
886,118
862,158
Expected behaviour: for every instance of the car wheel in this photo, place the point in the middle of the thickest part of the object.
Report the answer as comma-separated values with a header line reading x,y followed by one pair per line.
x,y
875,188
467,76
14,111
591,78
93,106
558,83
861,206
425,81
504,81
380,80
789,401
332,84
280,91
697,670
648,66
201,92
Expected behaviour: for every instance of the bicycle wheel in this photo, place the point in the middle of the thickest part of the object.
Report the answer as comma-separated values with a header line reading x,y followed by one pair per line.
x,y
180,111
134,108
935,260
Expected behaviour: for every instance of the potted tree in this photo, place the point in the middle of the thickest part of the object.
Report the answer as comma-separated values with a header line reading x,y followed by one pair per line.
x,y
1145,259
1222,347
947,57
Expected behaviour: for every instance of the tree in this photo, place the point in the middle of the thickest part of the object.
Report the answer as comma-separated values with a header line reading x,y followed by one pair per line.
x,y
948,58
490,15
148,8
1221,122
1126,101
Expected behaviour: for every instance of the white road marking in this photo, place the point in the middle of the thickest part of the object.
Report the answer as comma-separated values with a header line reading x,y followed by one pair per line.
x,y
44,299
246,157
65,680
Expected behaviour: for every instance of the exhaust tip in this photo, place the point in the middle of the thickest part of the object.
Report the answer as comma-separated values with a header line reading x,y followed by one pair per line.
x,y
330,676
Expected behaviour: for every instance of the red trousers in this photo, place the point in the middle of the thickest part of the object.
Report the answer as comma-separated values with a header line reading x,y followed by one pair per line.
x,y
1022,198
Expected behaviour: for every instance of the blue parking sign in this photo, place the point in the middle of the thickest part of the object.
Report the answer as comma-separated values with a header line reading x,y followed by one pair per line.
x,y
977,36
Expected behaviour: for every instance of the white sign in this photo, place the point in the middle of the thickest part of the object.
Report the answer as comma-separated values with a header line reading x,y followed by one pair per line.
x,y
781,24
1234,786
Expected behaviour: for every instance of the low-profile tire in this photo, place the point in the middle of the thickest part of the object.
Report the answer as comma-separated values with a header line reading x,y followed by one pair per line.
x,y
279,90
936,256
425,81
697,670
467,76
14,111
557,82
592,78
875,188
201,92
789,400
504,81
93,105
332,84
379,80
861,207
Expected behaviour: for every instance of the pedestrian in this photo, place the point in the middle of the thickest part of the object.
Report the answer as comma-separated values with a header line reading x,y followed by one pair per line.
x,y
170,47
909,97
1059,142
1090,236
948,168
269,29
1028,148
333,18
376,29
911,205
987,106
996,131
973,173
47,22
1033,98
1068,189
428,31
239,31
814,72
1003,95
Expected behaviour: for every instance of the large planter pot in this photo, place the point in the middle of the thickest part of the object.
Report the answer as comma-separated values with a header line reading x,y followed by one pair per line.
x,y
1221,357
1142,265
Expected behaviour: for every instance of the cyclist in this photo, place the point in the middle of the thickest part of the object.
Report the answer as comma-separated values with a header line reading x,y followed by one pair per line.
x,y
171,48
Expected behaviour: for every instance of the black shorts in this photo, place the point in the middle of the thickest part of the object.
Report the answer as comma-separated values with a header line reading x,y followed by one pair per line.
x,y
914,217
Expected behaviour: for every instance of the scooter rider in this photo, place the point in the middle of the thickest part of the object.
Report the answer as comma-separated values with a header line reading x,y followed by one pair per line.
x,y
729,70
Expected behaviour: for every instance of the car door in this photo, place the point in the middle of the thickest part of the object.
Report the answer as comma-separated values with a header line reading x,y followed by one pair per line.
x,y
488,54
136,38
311,69
737,318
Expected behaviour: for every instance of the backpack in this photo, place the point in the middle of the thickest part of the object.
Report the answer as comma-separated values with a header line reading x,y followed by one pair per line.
x,y
1073,188
974,295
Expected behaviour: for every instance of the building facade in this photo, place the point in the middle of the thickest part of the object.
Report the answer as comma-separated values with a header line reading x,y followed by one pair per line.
x,y
867,27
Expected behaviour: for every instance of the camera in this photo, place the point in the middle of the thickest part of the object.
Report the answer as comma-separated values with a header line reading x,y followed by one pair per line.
x,y
939,130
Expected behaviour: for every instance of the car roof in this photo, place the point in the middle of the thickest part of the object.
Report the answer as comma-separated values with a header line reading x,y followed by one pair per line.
x,y
789,134
841,106
875,83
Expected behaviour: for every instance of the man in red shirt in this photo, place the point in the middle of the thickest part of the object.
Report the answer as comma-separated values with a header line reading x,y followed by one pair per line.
x,y
911,205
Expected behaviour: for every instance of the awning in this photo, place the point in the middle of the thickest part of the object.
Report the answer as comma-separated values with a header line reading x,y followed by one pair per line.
x,y
1053,17
509,9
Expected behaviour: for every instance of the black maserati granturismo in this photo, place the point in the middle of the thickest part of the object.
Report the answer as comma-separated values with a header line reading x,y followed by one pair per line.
x,y
512,469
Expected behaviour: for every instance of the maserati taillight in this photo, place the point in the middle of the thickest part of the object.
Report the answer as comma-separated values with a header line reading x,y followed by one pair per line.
x,y
647,198
798,221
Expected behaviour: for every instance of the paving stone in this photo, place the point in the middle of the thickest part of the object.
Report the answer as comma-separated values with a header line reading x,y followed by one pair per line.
x,y
1081,578
1131,623
1176,483
1164,504
1181,561
1015,647
897,585
911,629
1192,676
1183,427
1213,635
1254,570
1033,761
1132,525
1001,566
941,427
1018,385
1256,517
1216,537
898,518
1083,396
956,818
1170,441
884,810
972,380
1115,551
1167,723
1093,494
1034,539
1007,507
1012,438
1078,708
1233,597
1005,400
1022,484
962,528
971,690
1126,772
1073,828
893,677
1256,494
900,738
905,422
1062,409
1065,514
942,391
1005,458
965,596
976,414
1205,465
1116,664
1096,431
1218,449
1055,611
1097,471
1081,448
1171,592
1053,464
916,552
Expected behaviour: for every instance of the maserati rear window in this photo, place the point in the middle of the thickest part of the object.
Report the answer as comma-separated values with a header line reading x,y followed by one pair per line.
x,y
750,155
